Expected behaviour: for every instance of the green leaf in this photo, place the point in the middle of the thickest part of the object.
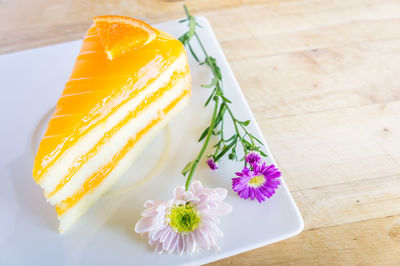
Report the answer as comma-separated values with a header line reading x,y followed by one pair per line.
x,y
209,62
259,141
212,62
213,82
224,98
225,150
216,133
220,116
204,134
231,138
222,110
186,10
193,53
262,153
209,98
246,142
246,123
187,168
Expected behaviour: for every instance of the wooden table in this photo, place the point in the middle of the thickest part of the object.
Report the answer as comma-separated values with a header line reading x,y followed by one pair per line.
x,y
323,79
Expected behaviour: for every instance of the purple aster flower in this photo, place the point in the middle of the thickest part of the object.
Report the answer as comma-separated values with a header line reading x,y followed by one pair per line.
x,y
259,183
213,165
253,157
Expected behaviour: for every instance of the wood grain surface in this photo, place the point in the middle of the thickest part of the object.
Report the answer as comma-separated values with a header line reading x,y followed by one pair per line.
x,y
323,80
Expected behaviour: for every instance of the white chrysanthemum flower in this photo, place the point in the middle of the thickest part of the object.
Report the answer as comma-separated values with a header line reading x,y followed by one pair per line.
x,y
186,223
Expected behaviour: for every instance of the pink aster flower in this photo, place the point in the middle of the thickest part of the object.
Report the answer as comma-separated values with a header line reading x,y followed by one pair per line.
x,y
253,157
259,182
186,223
213,165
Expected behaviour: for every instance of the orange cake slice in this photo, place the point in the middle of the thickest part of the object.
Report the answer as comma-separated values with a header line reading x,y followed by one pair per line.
x,y
128,81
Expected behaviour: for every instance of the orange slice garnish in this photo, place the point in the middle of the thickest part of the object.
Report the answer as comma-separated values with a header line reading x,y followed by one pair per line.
x,y
120,34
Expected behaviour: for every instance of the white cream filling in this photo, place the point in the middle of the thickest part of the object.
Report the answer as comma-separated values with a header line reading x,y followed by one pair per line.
x,y
73,214
55,173
119,139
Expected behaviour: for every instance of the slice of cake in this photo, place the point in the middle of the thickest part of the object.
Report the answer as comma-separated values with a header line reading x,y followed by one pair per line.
x,y
128,81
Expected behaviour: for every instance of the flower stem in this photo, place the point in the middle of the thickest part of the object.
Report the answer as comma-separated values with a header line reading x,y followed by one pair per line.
x,y
204,147
241,136
234,121
201,44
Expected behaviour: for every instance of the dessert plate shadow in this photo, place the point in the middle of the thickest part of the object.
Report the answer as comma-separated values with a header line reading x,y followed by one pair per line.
x,y
32,81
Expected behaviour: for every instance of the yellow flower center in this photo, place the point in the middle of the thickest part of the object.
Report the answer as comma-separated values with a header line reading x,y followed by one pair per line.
x,y
256,181
183,218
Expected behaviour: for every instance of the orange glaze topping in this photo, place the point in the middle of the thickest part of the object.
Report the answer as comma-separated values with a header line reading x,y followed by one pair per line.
x,y
97,87
97,177
80,161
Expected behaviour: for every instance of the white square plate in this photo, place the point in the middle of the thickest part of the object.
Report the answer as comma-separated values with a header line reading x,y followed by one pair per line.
x,y
31,82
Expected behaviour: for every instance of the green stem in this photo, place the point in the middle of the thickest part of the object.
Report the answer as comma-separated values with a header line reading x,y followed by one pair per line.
x,y
203,149
246,133
201,44
237,129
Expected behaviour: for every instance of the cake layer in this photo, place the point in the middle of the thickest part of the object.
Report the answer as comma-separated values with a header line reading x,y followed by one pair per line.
x,y
114,140
99,183
59,169
97,87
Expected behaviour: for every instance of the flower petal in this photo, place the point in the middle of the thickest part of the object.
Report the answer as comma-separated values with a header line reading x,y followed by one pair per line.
x,y
178,192
144,224
152,203
223,209
165,234
181,245
189,196
188,243
159,248
196,186
174,243
158,234
195,244
203,238
167,241
152,242
222,193
252,193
